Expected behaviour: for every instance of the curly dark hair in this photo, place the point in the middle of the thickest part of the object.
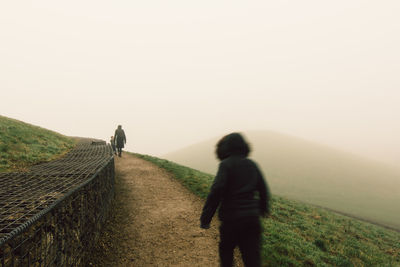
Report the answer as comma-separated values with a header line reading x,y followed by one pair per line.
x,y
232,144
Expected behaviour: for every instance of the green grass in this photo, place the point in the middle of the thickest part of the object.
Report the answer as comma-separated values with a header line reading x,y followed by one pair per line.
x,y
298,234
315,174
23,145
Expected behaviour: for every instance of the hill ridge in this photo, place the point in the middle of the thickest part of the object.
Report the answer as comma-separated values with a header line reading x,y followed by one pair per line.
x,y
314,174
23,144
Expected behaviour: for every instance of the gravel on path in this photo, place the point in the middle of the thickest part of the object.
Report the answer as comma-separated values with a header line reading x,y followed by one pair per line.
x,y
154,221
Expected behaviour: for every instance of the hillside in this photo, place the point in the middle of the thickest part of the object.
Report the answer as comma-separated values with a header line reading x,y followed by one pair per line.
x,y
297,234
23,145
313,173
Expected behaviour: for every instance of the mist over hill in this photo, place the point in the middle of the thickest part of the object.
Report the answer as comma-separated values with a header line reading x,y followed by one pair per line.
x,y
313,173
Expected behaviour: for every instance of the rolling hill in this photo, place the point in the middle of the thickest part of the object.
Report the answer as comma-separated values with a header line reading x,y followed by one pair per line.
x,y
315,174
23,145
296,234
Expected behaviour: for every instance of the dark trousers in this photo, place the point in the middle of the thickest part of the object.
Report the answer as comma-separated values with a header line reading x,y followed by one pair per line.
x,y
245,233
119,151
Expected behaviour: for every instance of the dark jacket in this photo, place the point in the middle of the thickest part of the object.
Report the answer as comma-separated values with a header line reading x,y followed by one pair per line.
x,y
240,190
120,138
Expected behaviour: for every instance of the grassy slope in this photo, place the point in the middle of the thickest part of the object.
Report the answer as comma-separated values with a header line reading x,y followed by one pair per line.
x,y
316,174
23,145
299,234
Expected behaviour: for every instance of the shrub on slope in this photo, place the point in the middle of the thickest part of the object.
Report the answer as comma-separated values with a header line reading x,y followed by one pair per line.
x,y
23,145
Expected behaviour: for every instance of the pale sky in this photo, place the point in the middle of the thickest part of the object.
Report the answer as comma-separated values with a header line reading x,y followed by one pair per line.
x,y
177,72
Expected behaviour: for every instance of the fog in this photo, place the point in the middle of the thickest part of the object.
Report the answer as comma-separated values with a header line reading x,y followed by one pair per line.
x,y
173,73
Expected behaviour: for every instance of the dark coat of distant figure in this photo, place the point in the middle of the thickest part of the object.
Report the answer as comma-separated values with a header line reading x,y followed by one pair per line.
x,y
242,195
120,139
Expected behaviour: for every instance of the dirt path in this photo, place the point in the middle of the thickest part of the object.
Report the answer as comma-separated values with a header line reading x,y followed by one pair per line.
x,y
155,221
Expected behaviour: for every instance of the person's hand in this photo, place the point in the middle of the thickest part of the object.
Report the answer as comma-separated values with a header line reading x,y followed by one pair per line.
x,y
204,226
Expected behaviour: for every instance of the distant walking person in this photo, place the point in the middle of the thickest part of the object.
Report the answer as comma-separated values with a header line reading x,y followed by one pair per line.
x,y
112,142
242,195
120,138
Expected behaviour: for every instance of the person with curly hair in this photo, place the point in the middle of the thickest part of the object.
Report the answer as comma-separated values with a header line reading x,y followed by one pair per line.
x,y
242,195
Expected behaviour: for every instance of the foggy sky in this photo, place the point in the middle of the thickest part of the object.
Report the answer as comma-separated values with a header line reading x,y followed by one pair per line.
x,y
176,72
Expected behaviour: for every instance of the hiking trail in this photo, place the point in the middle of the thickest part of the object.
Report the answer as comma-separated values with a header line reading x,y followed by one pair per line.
x,y
154,221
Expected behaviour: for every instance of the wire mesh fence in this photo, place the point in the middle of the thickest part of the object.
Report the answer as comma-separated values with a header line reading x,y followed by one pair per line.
x,y
52,215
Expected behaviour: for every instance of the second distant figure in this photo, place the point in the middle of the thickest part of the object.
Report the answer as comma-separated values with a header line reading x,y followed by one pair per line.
x,y
112,142
120,139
